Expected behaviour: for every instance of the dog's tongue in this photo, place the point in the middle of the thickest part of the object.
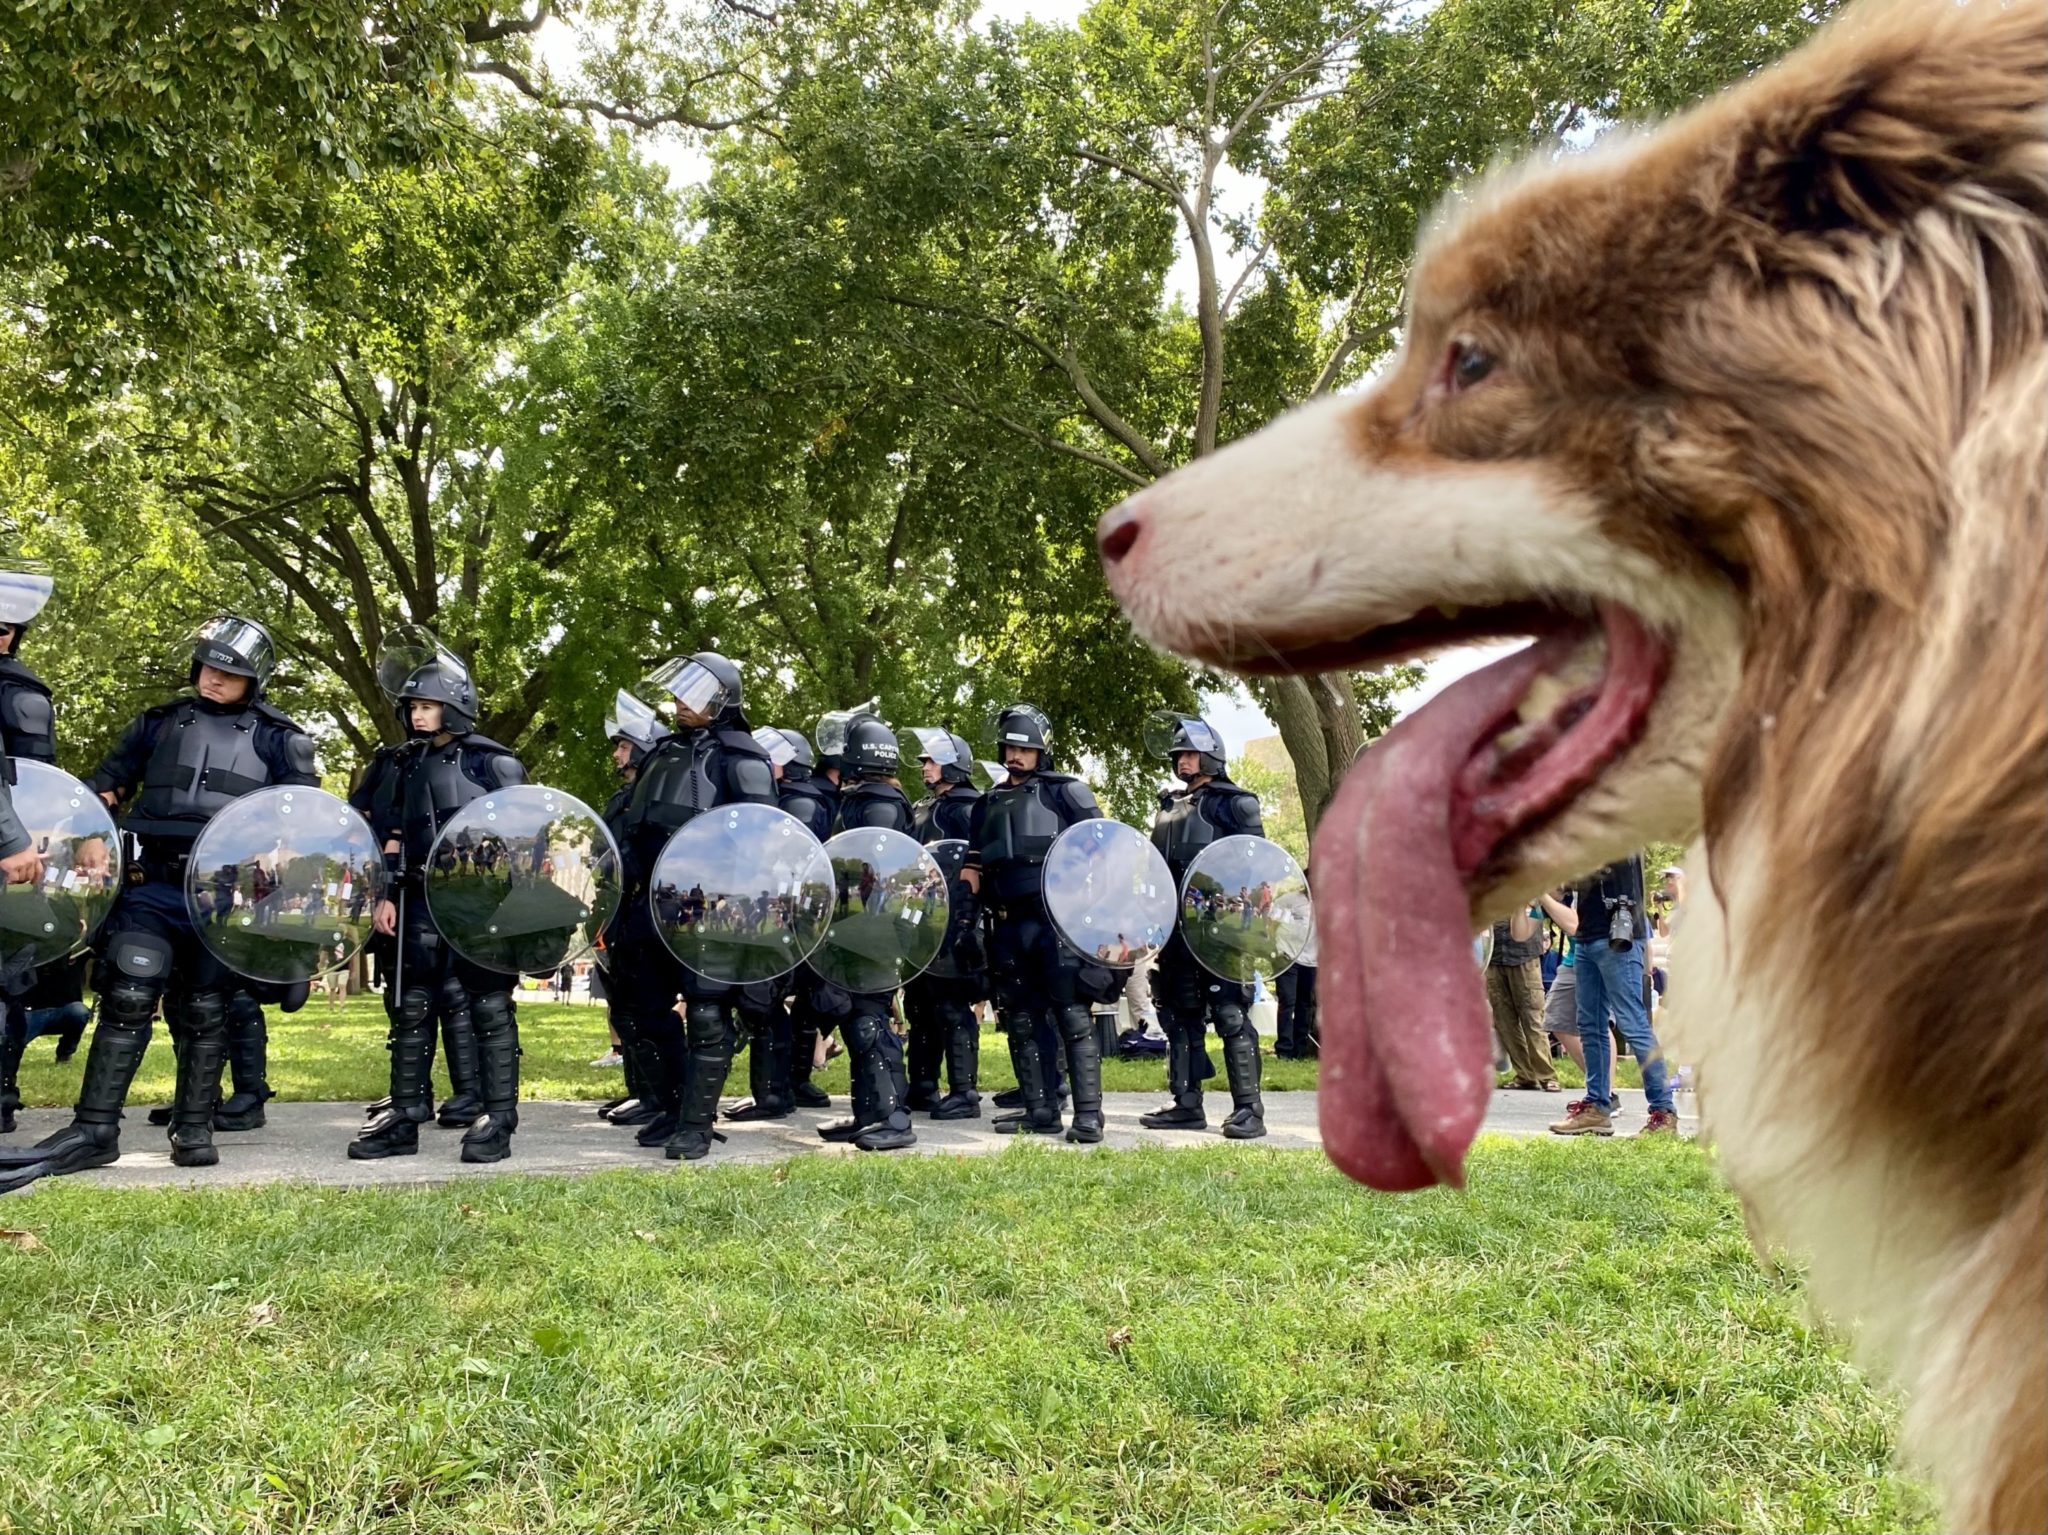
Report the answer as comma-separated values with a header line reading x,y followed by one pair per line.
x,y
1406,1063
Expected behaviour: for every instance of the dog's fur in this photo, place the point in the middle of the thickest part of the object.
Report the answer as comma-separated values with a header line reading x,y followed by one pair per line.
x,y
1776,377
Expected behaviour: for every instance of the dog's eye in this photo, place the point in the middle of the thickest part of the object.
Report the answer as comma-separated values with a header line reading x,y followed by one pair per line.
x,y
1469,362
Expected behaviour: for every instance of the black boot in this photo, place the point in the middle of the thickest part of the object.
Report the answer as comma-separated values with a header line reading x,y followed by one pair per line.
x,y
489,1137
926,1050
963,1067
1041,1115
394,1131
710,1058
768,1075
93,1138
1185,1112
875,1051
1084,1072
1247,1120
803,1050
459,1046
206,1045
248,1043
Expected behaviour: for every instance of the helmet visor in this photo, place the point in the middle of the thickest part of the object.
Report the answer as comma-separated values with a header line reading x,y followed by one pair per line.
x,y
833,729
239,646
776,745
1167,734
23,591
691,685
406,648
934,746
1018,725
631,720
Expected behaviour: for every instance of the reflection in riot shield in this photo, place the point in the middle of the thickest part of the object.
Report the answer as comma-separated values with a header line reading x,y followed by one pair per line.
x,y
283,884
1109,892
889,911
950,853
56,913
523,880
1482,948
1244,909
742,894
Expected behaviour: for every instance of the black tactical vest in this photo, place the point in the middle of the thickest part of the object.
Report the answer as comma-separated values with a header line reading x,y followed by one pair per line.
x,y
678,780
874,804
28,725
203,762
812,802
944,816
1180,831
1019,825
438,782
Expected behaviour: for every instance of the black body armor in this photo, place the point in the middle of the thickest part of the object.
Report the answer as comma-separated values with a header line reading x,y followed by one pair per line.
x,y
204,761
946,815
1190,819
437,781
28,724
866,805
812,801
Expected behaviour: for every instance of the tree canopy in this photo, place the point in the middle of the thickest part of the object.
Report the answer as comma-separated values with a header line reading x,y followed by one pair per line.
x,y
367,311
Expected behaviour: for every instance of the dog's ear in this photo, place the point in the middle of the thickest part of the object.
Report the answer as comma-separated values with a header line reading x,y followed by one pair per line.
x,y
1894,107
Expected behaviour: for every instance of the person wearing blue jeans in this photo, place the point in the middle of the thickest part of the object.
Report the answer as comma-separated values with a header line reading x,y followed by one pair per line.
x,y
1608,960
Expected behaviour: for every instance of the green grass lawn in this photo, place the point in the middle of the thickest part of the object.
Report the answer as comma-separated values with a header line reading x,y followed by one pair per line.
x,y
318,1054
1228,1339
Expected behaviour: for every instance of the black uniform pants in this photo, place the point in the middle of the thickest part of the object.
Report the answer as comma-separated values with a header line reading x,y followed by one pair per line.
x,y
1295,993
686,1054
943,1029
430,987
1188,999
1035,984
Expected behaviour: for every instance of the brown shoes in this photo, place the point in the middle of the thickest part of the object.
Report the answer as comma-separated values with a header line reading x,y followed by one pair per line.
x,y
1583,1118
1662,1122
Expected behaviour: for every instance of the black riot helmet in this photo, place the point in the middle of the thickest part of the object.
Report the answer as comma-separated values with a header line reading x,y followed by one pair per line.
x,y
953,755
871,750
835,730
788,750
705,682
24,589
1168,734
1022,725
634,723
445,681
239,646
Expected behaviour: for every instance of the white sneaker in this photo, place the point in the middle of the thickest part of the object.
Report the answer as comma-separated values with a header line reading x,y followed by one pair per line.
x,y
609,1058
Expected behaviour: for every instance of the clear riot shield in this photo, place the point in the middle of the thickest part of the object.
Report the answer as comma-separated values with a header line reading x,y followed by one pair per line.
x,y
742,894
283,884
56,913
523,880
889,911
950,854
1109,892
1244,909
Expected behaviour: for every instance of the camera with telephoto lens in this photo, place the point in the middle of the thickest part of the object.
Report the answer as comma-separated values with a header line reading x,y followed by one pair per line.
x,y
1621,921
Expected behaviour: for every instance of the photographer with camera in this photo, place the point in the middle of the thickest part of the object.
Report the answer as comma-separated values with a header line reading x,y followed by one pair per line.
x,y
1613,939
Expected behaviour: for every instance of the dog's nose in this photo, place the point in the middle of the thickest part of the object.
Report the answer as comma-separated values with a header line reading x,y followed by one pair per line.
x,y
1118,532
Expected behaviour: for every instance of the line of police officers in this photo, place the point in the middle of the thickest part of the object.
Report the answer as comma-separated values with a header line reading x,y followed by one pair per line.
x,y
182,761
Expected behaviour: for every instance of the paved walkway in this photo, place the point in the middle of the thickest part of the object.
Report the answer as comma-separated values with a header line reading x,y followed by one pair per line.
x,y
303,1142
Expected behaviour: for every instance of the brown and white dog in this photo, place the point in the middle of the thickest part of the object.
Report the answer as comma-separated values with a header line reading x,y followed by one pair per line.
x,y
1745,420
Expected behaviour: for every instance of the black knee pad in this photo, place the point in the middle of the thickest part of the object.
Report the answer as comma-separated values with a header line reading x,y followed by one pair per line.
x,y
1074,1022
454,996
415,1007
704,1025
135,959
244,1013
130,1004
1231,1020
203,1012
491,1013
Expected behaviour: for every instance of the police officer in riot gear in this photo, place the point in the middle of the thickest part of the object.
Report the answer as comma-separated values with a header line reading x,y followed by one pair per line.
x,y
28,728
1032,973
710,759
940,1009
764,1006
1187,996
444,767
634,730
870,796
808,789
176,766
